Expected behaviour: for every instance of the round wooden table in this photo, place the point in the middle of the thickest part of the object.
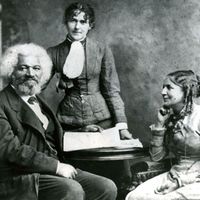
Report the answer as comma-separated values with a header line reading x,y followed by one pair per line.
x,y
108,154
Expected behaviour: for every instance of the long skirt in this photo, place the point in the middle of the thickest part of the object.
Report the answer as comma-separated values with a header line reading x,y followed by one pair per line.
x,y
146,191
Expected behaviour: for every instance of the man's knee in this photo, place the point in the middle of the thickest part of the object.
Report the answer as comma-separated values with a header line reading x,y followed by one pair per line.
x,y
72,190
110,190
75,193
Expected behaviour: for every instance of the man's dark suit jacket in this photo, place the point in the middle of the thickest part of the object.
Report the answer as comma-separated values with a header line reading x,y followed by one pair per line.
x,y
24,150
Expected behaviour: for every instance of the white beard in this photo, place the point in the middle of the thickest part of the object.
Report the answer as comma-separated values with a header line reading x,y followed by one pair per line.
x,y
26,89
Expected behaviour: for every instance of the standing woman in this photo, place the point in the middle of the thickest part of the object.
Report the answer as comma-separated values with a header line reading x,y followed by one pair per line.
x,y
178,131
88,76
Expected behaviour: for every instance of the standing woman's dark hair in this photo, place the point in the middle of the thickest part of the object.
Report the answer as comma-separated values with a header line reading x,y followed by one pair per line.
x,y
190,83
75,8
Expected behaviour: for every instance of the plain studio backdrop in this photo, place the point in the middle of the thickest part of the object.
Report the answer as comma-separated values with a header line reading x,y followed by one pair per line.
x,y
148,38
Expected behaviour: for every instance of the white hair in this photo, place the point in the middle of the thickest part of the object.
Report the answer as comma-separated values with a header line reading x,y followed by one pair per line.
x,y
10,60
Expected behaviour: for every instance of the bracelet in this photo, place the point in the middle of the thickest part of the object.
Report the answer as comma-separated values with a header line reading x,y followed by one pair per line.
x,y
178,181
175,178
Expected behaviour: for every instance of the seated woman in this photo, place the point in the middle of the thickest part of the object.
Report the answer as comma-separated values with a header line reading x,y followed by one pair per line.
x,y
177,130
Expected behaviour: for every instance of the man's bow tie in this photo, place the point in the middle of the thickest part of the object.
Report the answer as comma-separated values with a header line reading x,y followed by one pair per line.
x,y
32,100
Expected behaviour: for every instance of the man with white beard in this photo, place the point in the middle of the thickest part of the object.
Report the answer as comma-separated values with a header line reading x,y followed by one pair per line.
x,y
31,162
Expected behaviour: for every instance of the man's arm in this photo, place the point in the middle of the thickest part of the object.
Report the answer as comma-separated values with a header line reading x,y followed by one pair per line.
x,y
26,157
22,155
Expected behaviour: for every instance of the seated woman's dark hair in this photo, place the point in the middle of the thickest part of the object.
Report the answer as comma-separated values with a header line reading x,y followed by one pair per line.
x,y
189,82
75,8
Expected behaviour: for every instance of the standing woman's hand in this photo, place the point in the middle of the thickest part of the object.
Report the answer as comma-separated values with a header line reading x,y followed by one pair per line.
x,y
92,128
125,134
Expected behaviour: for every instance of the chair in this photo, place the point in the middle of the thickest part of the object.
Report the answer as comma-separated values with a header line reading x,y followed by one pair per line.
x,y
145,170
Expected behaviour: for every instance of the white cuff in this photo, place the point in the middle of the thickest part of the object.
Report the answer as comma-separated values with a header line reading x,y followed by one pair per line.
x,y
121,126
57,167
154,128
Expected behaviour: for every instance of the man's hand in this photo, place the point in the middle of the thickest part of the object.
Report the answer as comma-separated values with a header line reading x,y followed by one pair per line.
x,y
66,170
125,135
92,128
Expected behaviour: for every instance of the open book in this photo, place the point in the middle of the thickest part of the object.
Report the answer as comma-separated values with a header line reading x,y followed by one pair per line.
x,y
89,140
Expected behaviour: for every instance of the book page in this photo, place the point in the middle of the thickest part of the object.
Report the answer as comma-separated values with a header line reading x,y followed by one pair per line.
x,y
129,144
74,141
88,140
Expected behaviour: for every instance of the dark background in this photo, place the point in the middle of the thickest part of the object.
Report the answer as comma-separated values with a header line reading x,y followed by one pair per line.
x,y
149,39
